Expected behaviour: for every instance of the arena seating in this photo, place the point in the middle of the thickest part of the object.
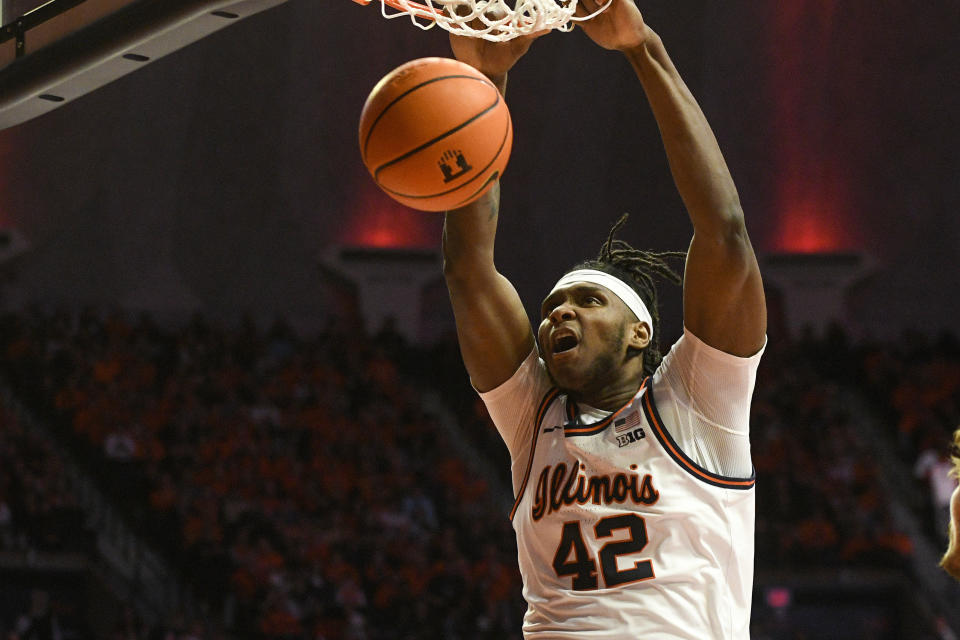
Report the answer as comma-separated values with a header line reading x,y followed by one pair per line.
x,y
297,483
302,489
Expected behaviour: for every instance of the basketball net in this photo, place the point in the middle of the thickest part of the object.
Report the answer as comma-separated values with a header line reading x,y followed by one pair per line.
x,y
493,20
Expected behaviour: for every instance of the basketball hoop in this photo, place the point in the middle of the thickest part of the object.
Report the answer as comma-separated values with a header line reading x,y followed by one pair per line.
x,y
493,20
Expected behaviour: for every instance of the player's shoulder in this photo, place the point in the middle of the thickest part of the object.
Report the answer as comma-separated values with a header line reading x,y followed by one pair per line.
x,y
691,350
693,369
530,378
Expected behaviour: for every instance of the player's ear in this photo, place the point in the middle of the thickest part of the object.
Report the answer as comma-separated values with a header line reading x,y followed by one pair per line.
x,y
639,335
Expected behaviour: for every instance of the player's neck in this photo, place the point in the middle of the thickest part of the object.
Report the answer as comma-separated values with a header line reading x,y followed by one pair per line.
x,y
610,397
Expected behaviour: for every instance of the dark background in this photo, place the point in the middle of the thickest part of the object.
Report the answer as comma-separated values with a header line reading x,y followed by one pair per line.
x,y
215,178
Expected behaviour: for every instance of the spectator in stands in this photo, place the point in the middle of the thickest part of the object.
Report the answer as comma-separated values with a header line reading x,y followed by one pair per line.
x,y
934,466
51,619
6,524
951,559
120,445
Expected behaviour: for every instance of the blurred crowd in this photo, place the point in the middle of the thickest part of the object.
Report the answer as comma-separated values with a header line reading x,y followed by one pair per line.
x,y
38,512
300,486
820,498
915,385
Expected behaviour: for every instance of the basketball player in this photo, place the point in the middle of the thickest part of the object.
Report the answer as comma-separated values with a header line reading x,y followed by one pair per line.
x,y
634,486
951,559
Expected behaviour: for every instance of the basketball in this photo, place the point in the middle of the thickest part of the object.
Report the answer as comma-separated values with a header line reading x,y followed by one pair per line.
x,y
435,134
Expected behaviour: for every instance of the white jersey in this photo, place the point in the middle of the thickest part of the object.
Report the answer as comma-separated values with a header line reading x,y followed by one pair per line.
x,y
621,534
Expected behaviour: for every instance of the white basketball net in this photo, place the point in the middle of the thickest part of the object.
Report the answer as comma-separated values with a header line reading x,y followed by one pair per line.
x,y
493,20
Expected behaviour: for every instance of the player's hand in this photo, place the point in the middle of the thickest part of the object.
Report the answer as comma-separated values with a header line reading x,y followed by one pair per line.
x,y
620,27
493,59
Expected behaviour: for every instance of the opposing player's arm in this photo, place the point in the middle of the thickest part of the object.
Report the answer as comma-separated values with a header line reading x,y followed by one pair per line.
x,y
492,325
723,300
951,559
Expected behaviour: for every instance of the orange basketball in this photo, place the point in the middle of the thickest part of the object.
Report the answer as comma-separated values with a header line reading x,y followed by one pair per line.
x,y
435,134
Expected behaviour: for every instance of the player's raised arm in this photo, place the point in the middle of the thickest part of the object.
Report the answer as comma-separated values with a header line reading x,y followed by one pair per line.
x,y
492,325
723,300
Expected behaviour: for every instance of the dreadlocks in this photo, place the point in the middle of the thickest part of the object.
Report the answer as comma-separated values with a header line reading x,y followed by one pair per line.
x,y
638,269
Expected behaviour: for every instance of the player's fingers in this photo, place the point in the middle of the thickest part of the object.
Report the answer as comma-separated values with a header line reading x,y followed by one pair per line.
x,y
527,40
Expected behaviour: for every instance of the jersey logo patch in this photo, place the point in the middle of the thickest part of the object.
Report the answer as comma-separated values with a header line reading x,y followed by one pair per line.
x,y
626,423
630,437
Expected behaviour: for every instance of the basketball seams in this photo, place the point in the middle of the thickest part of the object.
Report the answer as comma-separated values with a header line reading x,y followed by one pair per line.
x,y
461,134
477,174
390,105
493,176
437,139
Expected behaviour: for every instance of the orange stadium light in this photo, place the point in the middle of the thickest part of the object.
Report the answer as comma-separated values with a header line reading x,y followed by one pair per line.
x,y
376,221
810,228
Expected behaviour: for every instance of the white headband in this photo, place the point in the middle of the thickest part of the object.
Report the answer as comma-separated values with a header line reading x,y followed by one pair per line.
x,y
616,286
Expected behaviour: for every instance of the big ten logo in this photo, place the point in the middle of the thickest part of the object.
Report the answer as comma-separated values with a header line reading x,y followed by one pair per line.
x,y
630,437
456,157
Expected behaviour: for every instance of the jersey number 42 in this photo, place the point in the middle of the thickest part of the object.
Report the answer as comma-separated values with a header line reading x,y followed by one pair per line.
x,y
583,568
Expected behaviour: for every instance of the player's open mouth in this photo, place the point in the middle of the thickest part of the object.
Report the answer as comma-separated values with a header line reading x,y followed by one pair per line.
x,y
565,343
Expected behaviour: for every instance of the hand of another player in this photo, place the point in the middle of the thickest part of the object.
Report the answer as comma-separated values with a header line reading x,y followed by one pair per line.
x,y
493,59
620,27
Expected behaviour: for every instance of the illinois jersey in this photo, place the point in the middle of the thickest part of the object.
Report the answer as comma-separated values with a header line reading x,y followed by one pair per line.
x,y
625,530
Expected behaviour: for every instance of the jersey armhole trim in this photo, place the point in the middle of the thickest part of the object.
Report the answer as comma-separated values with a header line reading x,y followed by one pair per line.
x,y
674,451
545,403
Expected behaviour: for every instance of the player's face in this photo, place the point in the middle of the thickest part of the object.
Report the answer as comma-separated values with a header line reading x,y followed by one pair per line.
x,y
583,335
